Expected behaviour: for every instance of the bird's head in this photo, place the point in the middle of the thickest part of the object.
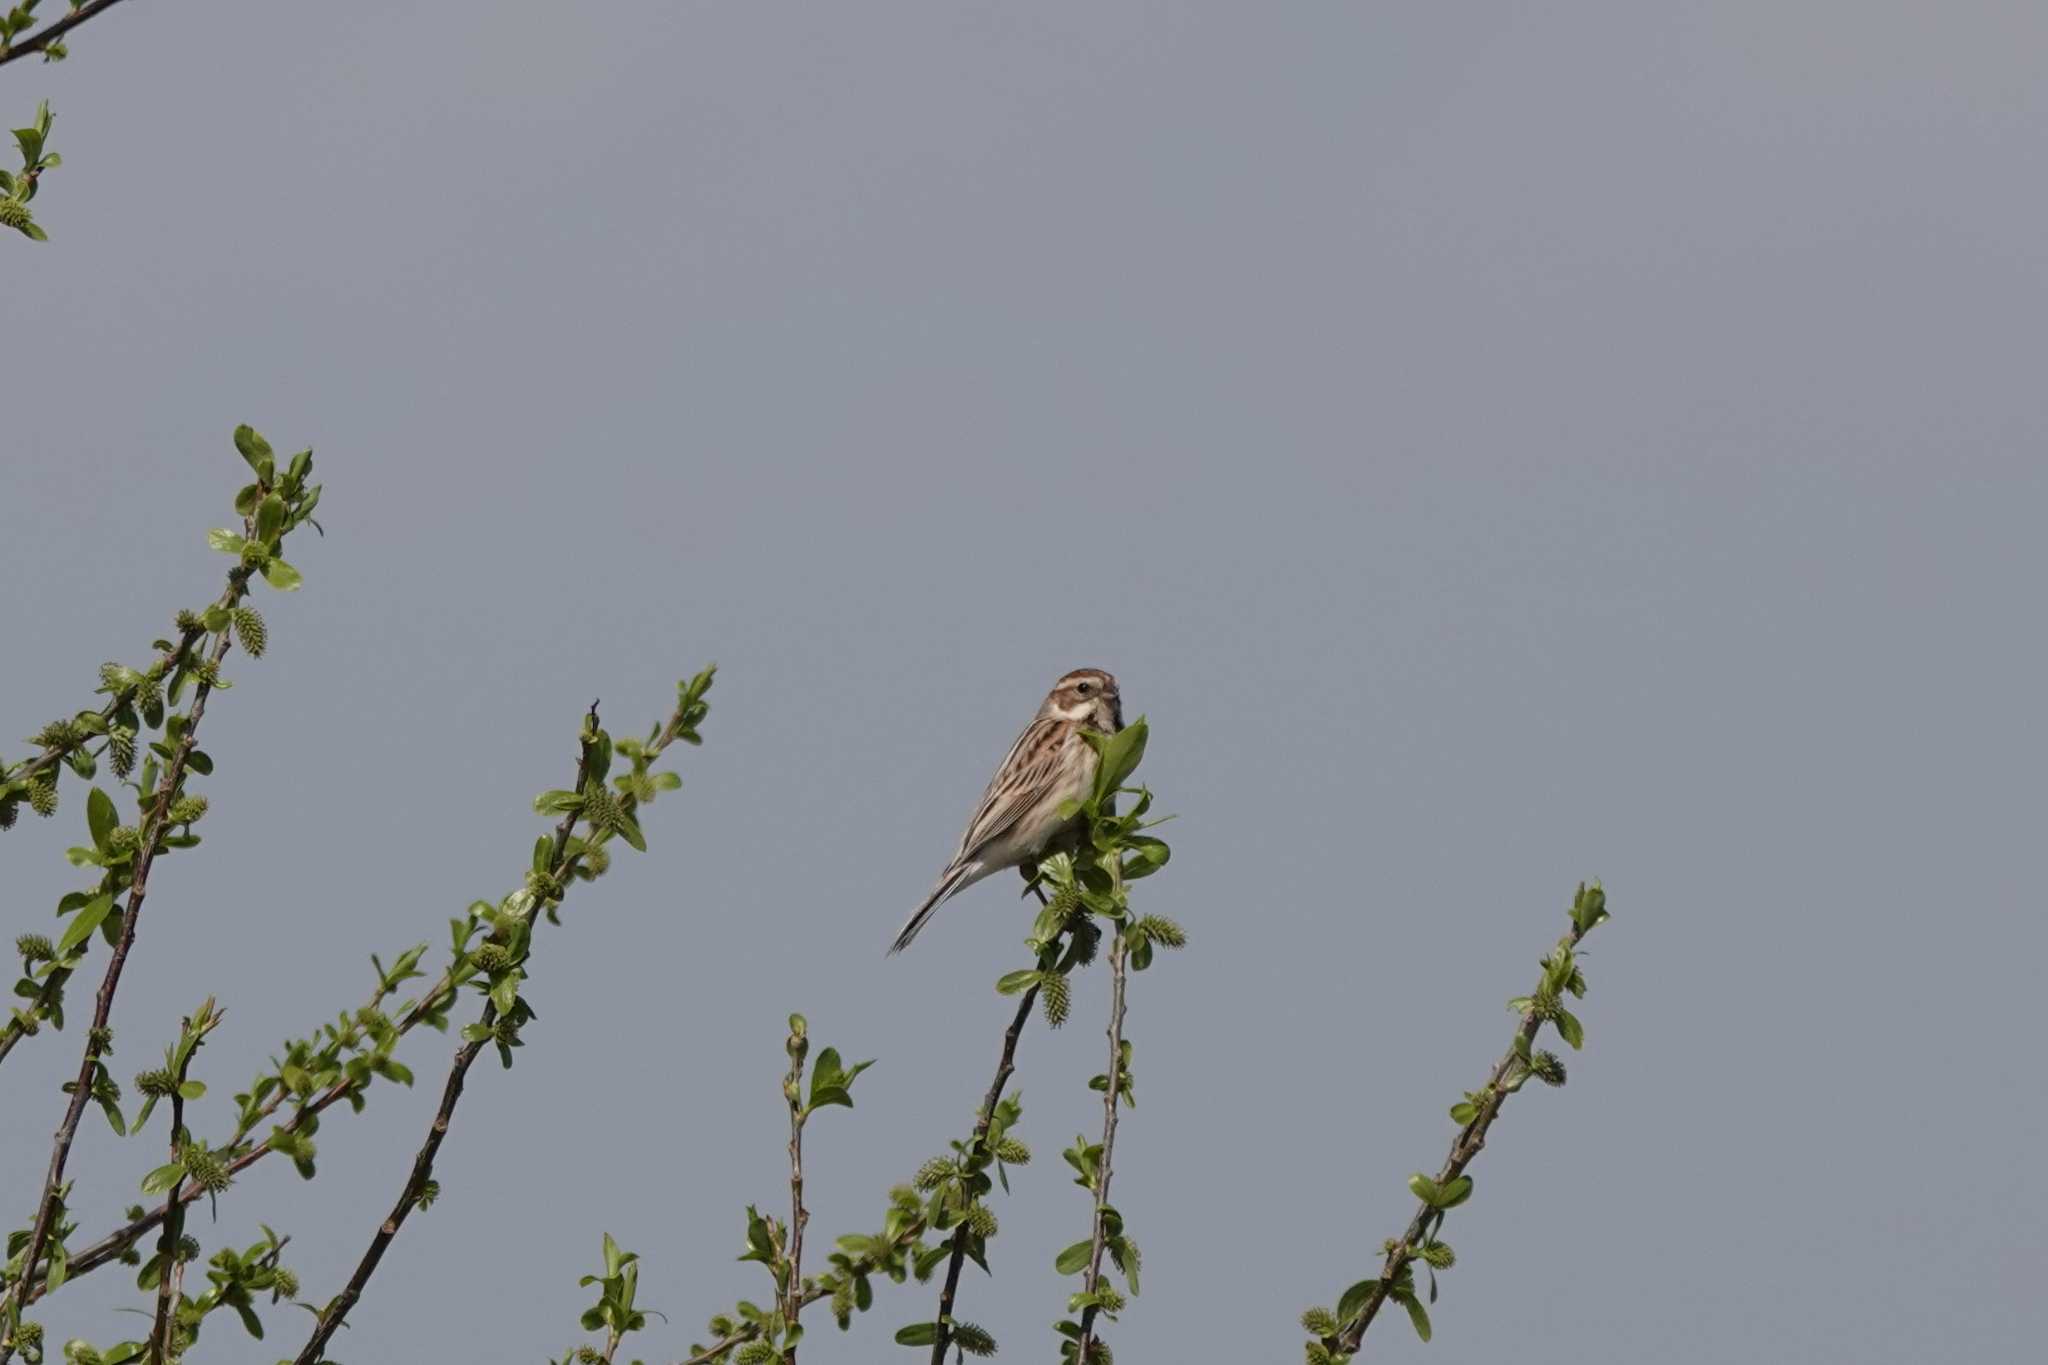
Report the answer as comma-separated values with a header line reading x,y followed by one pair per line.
x,y
1087,695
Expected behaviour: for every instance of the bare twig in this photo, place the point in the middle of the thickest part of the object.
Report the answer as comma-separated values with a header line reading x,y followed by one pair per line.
x,y
97,1037
416,1183
50,32
1112,1099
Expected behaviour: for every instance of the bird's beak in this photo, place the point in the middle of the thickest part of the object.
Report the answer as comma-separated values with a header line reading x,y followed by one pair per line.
x,y
1116,714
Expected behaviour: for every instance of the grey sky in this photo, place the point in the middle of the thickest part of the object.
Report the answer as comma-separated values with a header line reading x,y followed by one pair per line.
x,y
1495,444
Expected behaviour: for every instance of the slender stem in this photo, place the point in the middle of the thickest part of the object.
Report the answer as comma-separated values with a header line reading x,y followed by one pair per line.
x,y
415,1185
172,1275
560,865
792,1295
1470,1141
96,1038
1111,1102
50,32
1006,1064
51,755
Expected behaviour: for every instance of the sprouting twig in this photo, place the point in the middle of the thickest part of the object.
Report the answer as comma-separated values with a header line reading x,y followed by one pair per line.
x,y
1005,1065
97,1037
561,864
173,1273
113,1244
51,32
793,1092
1112,1100
1515,1066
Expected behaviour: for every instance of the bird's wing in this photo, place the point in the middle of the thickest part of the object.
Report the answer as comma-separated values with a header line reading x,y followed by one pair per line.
x,y
1026,776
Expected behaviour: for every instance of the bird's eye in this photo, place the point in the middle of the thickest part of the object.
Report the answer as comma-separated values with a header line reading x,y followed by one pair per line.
x,y
1082,688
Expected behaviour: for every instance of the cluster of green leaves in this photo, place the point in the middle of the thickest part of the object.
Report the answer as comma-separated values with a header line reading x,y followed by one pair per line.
x,y
616,1312
17,188
141,720
1335,1334
955,1192
236,1281
493,945
742,1334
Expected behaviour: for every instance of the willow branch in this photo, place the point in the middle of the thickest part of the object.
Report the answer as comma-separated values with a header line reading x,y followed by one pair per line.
x,y
561,864
53,754
113,1244
1471,1139
97,1037
1111,1100
51,32
170,1282
1005,1065
792,1297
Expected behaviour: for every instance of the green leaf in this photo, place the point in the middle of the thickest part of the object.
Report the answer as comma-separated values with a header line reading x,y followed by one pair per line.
x,y
918,1334
192,1090
1014,982
226,541
629,830
101,818
256,451
613,1257
1570,1029
1455,1193
1464,1111
1417,1314
269,518
1075,1258
1120,755
1424,1189
83,923
160,1180
282,576
1355,1299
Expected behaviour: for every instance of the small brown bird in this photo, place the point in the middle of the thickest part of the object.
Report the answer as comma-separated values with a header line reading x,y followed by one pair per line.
x,y
1019,814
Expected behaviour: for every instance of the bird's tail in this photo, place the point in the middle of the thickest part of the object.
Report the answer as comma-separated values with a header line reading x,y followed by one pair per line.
x,y
955,878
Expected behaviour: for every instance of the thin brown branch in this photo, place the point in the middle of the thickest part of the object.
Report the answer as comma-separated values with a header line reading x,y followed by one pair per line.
x,y
1005,1065
97,1037
792,1295
1112,1099
51,32
173,1273
416,1183
561,865
1471,1139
